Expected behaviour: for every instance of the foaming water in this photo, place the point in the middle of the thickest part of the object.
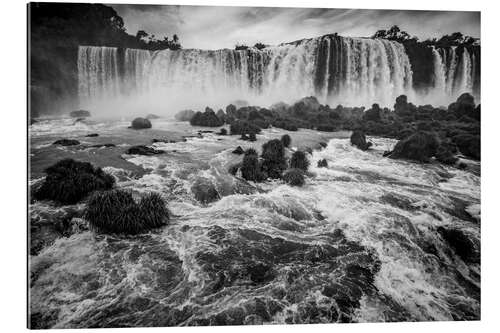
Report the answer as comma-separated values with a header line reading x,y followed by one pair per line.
x,y
358,242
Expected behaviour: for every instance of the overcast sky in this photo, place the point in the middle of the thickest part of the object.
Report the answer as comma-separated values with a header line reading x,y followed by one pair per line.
x,y
223,27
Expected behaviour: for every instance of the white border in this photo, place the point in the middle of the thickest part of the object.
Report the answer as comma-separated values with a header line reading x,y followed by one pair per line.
x,y
13,165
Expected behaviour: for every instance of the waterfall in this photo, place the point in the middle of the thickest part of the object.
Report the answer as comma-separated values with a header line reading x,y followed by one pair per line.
x,y
337,70
98,76
439,71
454,73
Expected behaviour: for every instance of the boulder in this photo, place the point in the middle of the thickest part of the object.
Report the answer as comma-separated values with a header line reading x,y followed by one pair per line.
x,y
358,139
79,114
204,191
140,123
273,156
143,150
462,243
92,135
238,151
66,142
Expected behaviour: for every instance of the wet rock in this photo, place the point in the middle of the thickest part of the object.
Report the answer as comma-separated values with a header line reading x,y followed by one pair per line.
x,y
143,150
358,139
140,123
92,135
103,145
260,272
205,191
462,244
238,151
420,147
66,142
294,177
184,115
445,156
223,131
166,140
79,114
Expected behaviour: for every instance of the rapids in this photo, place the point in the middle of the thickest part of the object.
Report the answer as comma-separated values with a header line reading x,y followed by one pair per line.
x,y
359,242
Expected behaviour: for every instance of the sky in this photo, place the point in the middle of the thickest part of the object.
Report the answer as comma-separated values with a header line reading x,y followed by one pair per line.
x,y
211,27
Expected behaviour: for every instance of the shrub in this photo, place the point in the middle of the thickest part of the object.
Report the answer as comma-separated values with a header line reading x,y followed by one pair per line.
x,y
286,125
322,163
116,211
469,145
286,140
243,127
444,155
420,147
223,131
250,167
207,118
358,139
69,181
299,161
294,177
140,123
273,155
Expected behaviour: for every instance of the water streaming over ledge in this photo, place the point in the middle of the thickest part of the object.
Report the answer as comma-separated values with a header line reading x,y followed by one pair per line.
x,y
351,71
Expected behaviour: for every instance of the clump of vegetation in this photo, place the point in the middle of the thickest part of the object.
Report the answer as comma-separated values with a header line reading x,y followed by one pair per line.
x,y
322,163
294,177
69,181
299,161
207,118
116,211
358,139
223,131
140,123
273,156
251,168
286,140
243,127
420,147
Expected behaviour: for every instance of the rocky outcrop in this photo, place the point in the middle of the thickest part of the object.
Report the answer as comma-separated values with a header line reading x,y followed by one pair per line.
x,y
358,139
140,123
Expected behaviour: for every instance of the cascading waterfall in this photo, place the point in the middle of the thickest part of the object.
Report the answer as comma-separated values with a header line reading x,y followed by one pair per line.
x,y
349,71
454,72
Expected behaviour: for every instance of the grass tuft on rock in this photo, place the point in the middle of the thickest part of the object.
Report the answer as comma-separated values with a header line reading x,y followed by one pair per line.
x,y
294,177
286,140
117,212
69,181
299,161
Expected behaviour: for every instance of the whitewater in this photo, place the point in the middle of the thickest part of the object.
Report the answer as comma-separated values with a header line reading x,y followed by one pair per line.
x,y
358,243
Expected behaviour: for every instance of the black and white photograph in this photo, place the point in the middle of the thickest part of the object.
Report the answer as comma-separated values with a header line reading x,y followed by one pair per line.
x,y
198,165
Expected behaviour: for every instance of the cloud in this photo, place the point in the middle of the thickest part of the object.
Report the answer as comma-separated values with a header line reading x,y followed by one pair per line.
x,y
212,27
